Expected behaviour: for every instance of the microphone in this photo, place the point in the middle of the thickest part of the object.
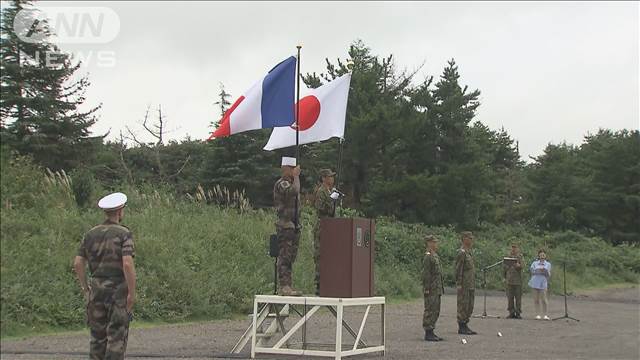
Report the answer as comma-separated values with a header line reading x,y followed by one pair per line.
x,y
337,194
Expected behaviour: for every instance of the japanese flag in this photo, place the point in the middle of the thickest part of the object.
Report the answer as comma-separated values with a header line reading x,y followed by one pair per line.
x,y
322,115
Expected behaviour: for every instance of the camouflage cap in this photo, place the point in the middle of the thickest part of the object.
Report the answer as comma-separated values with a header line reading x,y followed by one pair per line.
x,y
326,172
466,234
430,238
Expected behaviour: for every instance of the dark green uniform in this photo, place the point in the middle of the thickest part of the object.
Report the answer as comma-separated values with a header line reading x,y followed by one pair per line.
x,y
324,206
513,276
465,279
285,195
433,289
103,247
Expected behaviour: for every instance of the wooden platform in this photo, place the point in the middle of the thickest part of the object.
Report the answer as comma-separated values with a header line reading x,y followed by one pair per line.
x,y
278,308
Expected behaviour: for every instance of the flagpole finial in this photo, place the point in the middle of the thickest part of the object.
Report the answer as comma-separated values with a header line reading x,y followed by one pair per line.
x,y
299,46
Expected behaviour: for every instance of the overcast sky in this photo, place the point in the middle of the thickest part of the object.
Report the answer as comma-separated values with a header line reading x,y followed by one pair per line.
x,y
548,71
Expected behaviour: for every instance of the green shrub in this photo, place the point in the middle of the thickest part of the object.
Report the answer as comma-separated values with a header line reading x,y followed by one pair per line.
x,y
82,185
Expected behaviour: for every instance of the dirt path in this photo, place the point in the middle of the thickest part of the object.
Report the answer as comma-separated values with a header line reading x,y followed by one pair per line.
x,y
609,329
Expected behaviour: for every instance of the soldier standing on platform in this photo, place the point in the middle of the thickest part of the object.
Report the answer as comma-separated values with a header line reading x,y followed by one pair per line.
x,y
433,288
513,277
465,283
108,249
286,199
324,203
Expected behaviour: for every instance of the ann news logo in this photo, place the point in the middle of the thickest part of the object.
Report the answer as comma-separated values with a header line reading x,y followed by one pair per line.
x,y
67,25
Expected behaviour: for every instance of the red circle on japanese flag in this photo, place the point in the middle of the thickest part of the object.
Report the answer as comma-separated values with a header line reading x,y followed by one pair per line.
x,y
309,112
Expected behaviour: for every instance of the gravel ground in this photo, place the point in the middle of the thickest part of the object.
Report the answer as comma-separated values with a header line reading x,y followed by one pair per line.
x,y
609,328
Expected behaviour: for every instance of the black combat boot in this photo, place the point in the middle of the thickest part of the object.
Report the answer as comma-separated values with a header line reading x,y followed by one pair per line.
x,y
430,336
464,329
469,331
439,338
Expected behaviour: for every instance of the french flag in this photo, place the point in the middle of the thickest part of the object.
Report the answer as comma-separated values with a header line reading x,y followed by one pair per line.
x,y
267,104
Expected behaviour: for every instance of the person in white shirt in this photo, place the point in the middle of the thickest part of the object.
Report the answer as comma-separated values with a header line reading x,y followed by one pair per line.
x,y
540,273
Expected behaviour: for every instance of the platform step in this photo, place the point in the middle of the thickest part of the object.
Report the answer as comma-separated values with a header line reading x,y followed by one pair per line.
x,y
271,315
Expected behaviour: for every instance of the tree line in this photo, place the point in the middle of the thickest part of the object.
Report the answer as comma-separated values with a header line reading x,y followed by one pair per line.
x,y
413,149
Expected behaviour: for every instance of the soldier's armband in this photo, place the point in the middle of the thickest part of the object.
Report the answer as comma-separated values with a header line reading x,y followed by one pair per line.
x,y
285,186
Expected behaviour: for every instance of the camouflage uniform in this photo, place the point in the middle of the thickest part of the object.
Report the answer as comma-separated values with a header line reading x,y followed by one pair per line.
x,y
324,206
465,279
433,289
285,195
103,247
513,275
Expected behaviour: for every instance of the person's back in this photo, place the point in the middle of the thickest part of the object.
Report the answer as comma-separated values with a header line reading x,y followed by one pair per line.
x,y
103,247
108,251
286,201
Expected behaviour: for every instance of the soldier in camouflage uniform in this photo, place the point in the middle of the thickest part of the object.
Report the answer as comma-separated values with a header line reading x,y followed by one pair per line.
x,y
465,283
433,286
513,277
286,199
109,251
325,207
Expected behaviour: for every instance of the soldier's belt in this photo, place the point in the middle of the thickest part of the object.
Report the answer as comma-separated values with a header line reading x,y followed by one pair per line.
x,y
110,276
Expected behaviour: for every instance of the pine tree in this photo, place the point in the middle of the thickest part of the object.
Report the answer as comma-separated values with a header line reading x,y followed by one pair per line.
x,y
223,104
453,111
373,121
39,110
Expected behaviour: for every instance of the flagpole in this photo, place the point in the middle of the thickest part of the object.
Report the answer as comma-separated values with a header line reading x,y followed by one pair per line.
x,y
296,222
339,163
340,149
304,325
339,170
298,107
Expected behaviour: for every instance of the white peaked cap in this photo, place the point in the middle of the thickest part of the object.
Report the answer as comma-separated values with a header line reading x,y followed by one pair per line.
x,y
113,201
288,161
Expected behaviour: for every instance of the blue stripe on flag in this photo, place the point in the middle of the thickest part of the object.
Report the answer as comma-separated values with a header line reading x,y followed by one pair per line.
x,y
278,89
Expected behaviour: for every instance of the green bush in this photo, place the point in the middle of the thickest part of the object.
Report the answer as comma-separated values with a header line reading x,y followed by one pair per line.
x,y
590,261
83,185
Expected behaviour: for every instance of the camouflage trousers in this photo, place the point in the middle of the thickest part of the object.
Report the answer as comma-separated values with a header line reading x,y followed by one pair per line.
x,y
466,299
431,311
108,319
316,254
514,298
288,240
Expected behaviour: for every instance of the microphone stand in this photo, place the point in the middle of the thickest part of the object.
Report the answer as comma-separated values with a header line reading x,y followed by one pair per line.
x,y
564,282
484,288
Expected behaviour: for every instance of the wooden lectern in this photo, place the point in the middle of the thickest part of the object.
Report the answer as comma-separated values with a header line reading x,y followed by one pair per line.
x,y
347,257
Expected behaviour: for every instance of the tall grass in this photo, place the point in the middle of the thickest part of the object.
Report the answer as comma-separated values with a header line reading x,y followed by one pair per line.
x,y
205,255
